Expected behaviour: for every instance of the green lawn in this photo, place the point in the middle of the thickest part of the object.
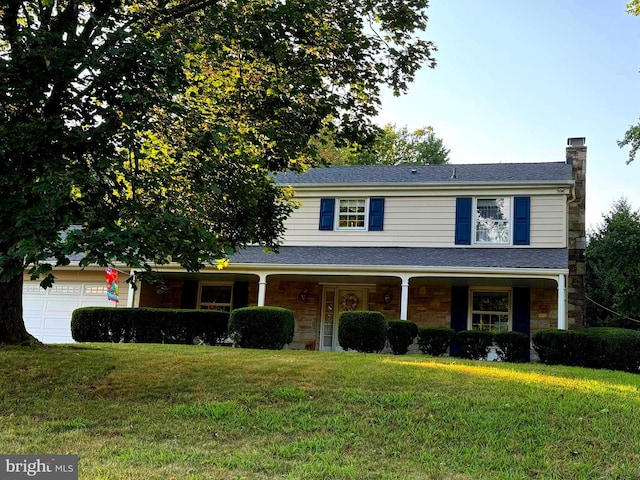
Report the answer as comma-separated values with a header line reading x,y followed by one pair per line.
x,y
187,412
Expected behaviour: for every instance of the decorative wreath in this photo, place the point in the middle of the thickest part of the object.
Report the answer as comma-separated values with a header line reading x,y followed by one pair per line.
x,y
349,302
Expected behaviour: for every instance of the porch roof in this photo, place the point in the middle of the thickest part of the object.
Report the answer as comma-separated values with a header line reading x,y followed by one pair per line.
x,y
537,258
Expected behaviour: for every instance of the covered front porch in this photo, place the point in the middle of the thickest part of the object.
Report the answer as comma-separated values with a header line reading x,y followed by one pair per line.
x,y
528,299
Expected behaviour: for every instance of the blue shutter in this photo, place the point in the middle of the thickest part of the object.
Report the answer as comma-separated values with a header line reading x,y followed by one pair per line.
x,y
463,221
376,214
522,313
521,220
459,313
327,207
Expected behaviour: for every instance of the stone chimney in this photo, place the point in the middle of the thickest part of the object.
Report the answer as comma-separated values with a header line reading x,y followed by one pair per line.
x,y
577,237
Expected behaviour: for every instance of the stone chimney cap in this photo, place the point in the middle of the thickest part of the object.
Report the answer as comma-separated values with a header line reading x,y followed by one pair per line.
x,y
577,142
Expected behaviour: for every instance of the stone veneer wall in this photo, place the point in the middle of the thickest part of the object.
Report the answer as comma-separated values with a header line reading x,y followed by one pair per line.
x,y
544,309
430,306
577,157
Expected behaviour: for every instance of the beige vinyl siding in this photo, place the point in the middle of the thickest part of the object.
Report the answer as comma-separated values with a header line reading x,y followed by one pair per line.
x,y
414,221
548,221
408,221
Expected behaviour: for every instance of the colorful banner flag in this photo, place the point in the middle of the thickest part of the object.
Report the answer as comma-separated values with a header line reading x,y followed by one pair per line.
x,y
112,284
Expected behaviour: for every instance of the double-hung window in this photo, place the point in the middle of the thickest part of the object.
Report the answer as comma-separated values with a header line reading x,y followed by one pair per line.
x,y
215,296
493,221
490,310
352,213
492,224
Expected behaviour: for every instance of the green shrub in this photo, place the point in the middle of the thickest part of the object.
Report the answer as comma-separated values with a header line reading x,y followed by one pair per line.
x,y
401,334
512,346
597,347
362,331
435,340
561,347
261,327
148,325
474,344
612,348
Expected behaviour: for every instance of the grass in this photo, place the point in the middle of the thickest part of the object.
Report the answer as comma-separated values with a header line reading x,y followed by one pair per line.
x,y
181,412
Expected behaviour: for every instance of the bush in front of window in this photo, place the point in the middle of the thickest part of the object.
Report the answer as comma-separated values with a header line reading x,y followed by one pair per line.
x,y
401,334
435,340
148,325
363,331
474,344
269,328
512,346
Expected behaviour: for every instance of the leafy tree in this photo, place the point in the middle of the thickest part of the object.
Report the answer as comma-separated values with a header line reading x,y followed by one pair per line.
x,y
391,146
142,132
613,269
632,135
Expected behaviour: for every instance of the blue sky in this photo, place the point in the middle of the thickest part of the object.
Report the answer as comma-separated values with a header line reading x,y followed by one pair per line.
x,y
515,79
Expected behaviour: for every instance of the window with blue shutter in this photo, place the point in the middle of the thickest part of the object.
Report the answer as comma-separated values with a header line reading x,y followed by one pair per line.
x,y
376,214
521,220
327,208
463,220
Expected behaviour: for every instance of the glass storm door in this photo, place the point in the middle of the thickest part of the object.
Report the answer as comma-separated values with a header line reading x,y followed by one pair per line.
x,y
335,301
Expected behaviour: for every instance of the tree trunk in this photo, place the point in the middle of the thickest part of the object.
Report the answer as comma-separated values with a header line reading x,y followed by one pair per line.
x,y
12,329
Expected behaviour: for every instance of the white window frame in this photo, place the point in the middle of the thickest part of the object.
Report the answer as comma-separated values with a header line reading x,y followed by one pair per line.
x,y
507,290
509,221
224,307
365,201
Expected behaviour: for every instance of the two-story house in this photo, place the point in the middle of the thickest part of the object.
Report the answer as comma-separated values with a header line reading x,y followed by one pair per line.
x,y
488,246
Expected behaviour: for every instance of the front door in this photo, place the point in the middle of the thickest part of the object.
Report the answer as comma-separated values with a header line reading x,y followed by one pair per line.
x,y
335,300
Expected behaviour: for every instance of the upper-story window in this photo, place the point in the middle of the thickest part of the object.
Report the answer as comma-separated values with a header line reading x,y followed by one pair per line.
x,y
492,223
352,213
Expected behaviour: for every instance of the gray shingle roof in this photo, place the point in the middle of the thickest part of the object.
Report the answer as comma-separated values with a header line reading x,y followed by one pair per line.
x,y
464,173
545,258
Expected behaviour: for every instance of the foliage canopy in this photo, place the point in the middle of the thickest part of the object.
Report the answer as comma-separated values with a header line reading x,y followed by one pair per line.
x,y
613,269
632,135
145,133
392,145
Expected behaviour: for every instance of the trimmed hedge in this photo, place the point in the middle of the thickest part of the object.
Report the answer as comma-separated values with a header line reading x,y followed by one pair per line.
x,y
594,347
613,348
363,331
268,328
560,347
148,325
512,346
401,334
435,340
474,344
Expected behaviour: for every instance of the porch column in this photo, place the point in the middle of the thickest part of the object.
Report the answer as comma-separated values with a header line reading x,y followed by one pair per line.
x,y
562,314
131,297
404,298
262,289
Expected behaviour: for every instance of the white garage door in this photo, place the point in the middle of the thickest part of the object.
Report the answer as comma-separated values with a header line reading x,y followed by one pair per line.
x,y
47,313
